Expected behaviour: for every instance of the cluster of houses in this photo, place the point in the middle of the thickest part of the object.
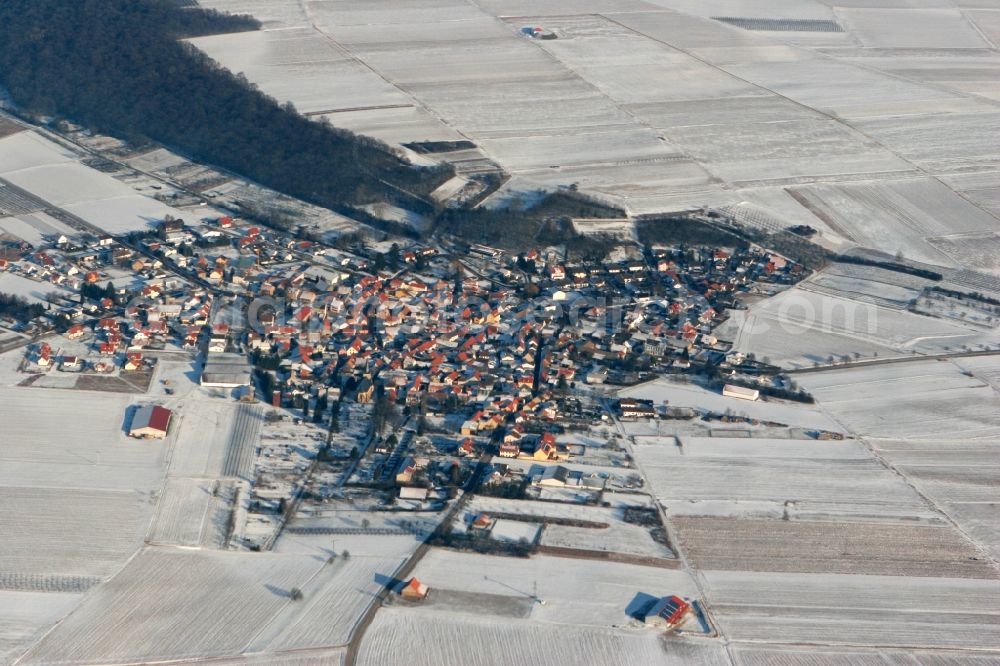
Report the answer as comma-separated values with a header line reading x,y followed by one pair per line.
x,y
494,344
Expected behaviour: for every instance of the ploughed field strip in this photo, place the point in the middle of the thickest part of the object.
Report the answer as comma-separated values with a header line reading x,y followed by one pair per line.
x,y
15,201
781,25
242,442
728,544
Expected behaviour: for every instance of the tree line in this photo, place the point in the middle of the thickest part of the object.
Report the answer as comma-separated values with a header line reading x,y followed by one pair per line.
x,y
121,67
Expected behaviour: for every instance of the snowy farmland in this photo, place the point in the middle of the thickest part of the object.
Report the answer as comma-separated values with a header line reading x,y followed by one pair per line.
x,y
732,477
51,173
690,395
77,491
617,537
206,603
52,439
917,400
608,591
31,290
856,610
813,325
661,106
432,639
25,616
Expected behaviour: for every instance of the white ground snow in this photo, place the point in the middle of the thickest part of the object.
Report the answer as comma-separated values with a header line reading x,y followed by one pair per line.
x,y
25,616
689,395
434,638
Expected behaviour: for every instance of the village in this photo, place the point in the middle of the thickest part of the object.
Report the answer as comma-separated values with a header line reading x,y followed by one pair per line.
x,y
456,394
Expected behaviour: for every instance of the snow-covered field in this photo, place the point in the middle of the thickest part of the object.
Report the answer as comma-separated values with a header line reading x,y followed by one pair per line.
x,y
34,227
171,604
77,493
31,290
25,616
806,325
617,537
916,400
52,173
690,395
334,602
744,476
74,439
183,513
576,592
856,610
433,639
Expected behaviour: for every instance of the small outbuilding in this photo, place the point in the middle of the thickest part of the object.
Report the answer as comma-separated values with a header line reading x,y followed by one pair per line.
x,y
667,612
414,589
150,422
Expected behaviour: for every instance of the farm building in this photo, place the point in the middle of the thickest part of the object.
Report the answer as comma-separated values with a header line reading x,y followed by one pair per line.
x,y
414,589
632,408
741,392
667,612
225,371
150,422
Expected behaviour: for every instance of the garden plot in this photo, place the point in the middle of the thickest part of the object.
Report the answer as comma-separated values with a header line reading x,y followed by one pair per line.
x,y
618,537
830,547
513,9
987,20
322,544
206,604
690,395
70,532
856,610
721,111
975,73
860,287
49,172
318,657
203,436
947,470
960,477
917,400
801,10
697,34
25,616
432,639
28,289
576,592
734,477
979,251
911,28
